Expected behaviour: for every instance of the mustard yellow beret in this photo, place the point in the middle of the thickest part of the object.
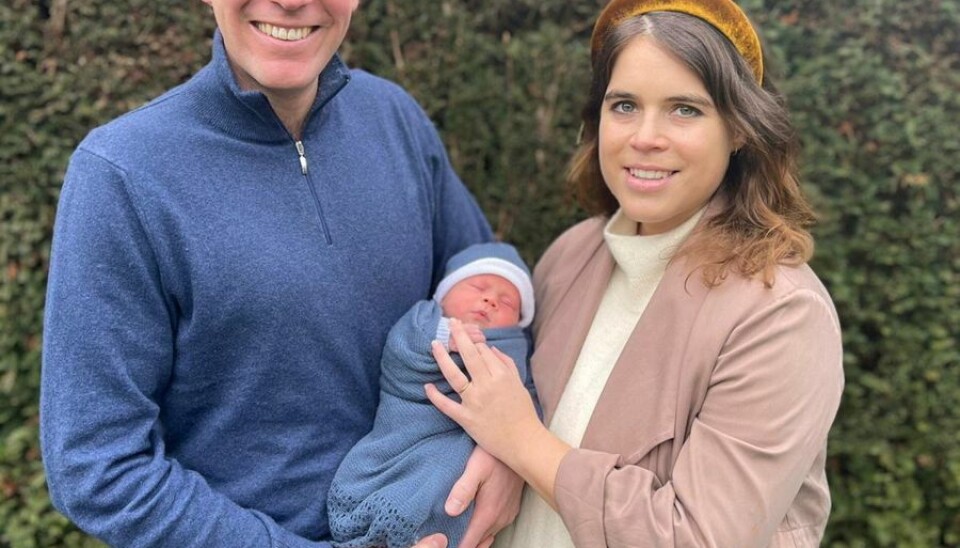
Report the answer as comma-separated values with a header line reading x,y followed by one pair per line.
x,y
724,15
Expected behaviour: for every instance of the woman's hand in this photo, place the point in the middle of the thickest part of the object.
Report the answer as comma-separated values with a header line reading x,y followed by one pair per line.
x,y
495,408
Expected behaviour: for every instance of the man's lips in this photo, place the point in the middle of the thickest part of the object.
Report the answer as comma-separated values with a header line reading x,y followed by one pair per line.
x,y
286,34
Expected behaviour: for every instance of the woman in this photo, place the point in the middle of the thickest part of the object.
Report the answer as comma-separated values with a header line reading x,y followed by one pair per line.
x,y
687,359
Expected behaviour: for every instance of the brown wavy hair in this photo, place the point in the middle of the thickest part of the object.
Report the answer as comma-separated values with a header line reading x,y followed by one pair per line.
x,y
763,217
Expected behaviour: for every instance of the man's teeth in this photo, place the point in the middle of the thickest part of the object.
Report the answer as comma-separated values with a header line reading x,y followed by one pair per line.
x,y
644,174
282,33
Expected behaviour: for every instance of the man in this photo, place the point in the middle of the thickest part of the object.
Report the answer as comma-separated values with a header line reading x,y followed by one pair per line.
x,y
206,365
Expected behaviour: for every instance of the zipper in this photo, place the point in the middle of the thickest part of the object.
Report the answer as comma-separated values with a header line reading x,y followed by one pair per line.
x,y
304,169
303,157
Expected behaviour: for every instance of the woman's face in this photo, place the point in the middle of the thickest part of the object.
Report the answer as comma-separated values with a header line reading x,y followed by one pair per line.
x,y
664,148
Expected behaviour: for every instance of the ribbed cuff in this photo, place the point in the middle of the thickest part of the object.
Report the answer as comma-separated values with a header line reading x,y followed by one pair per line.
x,y
443,332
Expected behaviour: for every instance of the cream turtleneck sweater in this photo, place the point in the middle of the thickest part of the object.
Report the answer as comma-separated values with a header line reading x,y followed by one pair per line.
x,y
640,264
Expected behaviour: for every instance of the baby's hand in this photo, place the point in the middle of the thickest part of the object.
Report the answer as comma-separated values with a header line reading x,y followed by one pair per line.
x,y
473,331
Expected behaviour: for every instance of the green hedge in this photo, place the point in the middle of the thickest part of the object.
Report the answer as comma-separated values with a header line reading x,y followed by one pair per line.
x,y
877,97
874,86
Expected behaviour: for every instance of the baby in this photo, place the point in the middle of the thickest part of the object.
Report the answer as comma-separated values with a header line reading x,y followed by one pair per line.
x,y
391,487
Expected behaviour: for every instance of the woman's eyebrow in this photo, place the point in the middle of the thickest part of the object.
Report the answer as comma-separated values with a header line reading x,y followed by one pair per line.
x,y
618,95
693,99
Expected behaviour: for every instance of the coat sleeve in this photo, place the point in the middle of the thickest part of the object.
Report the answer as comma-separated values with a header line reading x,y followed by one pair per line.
x,y
108,353
771,398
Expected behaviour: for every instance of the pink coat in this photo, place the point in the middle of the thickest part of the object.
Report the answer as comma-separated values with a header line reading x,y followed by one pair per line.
x,y
712,428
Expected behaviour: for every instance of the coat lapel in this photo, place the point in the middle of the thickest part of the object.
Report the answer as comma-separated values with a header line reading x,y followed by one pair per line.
x,y
637,409
642,403
567,327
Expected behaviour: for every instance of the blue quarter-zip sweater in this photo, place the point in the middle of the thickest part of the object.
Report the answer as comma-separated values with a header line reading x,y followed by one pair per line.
x,y
218,299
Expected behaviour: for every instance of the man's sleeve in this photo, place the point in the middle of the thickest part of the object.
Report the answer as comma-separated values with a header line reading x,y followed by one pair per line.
x,y
109,330
458,220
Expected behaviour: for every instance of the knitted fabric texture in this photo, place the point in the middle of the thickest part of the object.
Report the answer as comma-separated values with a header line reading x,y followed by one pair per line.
x,y
724,15
391,487
491,258
228,310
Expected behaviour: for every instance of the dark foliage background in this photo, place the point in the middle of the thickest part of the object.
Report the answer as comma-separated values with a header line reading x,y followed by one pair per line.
x,y
874,86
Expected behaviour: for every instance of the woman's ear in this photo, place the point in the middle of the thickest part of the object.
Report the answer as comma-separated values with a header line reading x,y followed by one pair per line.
x,y
738,141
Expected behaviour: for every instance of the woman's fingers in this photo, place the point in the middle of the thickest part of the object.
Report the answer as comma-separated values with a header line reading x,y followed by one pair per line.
x,y
458,381
446,406
505,360
468,350
496,361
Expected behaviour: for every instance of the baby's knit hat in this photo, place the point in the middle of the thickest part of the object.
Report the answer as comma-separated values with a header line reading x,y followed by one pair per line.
x,y
491,258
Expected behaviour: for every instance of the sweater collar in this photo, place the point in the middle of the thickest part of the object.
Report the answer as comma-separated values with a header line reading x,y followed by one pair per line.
x,y
248,115
644,258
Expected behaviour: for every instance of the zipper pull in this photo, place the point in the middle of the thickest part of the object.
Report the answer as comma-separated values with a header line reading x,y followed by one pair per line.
x,y
303,158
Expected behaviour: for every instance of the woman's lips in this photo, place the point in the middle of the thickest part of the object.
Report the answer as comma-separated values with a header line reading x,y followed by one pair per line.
x,y
648,180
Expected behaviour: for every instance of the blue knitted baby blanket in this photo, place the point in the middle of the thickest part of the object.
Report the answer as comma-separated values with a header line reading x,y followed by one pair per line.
x,y
391,486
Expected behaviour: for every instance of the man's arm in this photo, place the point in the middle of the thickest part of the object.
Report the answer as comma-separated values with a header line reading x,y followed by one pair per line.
x,y
458,221
109,334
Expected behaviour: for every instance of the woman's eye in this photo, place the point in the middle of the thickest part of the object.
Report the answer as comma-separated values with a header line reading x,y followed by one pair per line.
x,y
624,107
686,111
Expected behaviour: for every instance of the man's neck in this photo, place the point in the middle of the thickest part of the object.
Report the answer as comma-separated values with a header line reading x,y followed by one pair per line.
x,y
291,105
292,109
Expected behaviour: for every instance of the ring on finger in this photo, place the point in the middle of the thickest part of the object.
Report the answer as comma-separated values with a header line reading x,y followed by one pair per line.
x,y
464,389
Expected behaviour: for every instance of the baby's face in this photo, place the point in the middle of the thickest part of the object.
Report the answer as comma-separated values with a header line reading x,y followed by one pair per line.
x,y
487,300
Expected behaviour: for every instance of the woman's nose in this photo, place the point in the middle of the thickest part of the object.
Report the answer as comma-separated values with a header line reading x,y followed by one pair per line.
x,y
648,134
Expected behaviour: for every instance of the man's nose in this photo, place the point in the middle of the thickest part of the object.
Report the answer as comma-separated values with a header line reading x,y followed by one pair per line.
x,y
291,5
